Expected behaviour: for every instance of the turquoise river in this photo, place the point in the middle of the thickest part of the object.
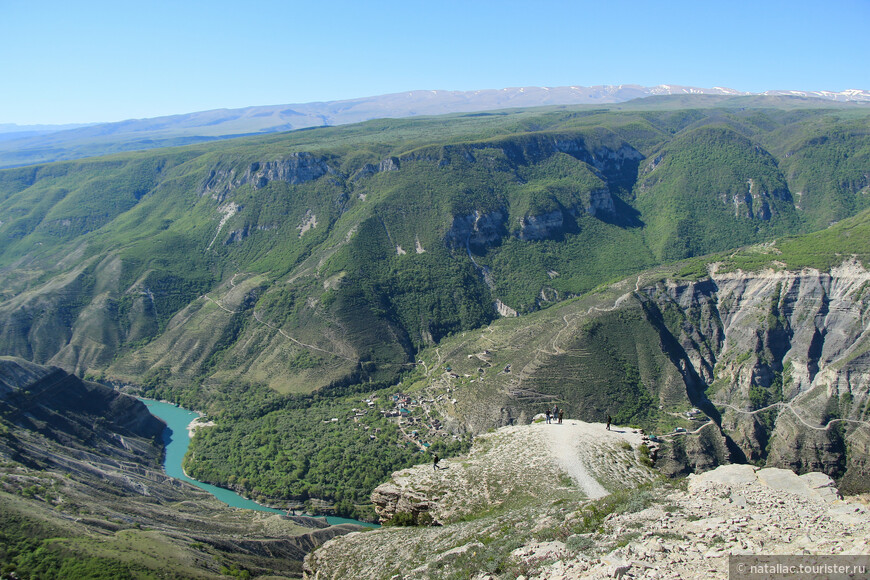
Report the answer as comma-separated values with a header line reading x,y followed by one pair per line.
x,y
177,440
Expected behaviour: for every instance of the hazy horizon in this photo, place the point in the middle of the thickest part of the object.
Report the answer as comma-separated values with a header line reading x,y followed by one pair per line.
x,y
101,61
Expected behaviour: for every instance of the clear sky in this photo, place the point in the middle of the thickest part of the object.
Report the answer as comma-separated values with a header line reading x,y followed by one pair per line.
x,y
86,61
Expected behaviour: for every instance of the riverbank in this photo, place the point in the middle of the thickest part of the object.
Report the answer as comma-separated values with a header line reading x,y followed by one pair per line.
x,y
181,425
198,423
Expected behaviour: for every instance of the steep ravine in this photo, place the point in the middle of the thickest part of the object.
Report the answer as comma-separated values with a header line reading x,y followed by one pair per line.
x,y
784,359
81,470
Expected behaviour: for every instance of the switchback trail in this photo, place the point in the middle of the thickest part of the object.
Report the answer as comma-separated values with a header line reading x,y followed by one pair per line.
x,y
557,349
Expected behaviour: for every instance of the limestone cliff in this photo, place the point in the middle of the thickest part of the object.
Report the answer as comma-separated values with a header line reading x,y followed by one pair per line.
x,y
476,229
294,169
783,355
539,227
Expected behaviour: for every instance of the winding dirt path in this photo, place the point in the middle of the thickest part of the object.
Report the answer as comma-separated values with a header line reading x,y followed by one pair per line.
x,y
300,343
568,319
788,406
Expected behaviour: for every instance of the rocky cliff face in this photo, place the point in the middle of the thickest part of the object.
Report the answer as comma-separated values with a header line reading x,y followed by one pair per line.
x,y
294,169
477,229
369,169
600,203
552,224
539,227
612,157
784,355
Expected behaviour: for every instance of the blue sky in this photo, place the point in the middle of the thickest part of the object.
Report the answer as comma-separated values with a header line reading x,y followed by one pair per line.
x,y
86,61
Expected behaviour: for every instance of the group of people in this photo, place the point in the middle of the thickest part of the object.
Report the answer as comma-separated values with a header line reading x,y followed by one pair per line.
x,y
555,415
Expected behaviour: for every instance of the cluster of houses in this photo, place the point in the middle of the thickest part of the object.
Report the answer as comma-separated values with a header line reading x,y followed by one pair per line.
x,y
694,414
413,418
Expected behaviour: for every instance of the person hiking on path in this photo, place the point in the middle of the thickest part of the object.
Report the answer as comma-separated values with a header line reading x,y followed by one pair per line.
x,y
435,460
608,422
548,415
561,412
555,412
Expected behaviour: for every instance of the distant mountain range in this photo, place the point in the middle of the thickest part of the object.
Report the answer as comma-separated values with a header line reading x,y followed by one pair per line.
x,y
27,145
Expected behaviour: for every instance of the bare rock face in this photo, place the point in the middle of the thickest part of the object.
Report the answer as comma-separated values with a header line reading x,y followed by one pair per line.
x,y
683,455
294,169
600,202
539,227
755,202
389,499
782,355
505,310
389,164
551,224
369,169
477,229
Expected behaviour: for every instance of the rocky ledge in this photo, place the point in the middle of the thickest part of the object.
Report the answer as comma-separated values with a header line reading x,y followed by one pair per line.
x,y
668,529
732,510
537,460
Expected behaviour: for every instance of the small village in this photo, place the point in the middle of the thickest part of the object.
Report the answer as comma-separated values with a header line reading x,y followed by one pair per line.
x,y
411,415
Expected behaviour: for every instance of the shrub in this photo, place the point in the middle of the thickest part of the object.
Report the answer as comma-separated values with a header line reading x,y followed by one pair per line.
x,y
579,543
402,519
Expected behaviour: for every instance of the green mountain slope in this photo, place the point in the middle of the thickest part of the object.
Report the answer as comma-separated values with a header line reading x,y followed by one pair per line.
x,y
335,260
710,187
336,254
